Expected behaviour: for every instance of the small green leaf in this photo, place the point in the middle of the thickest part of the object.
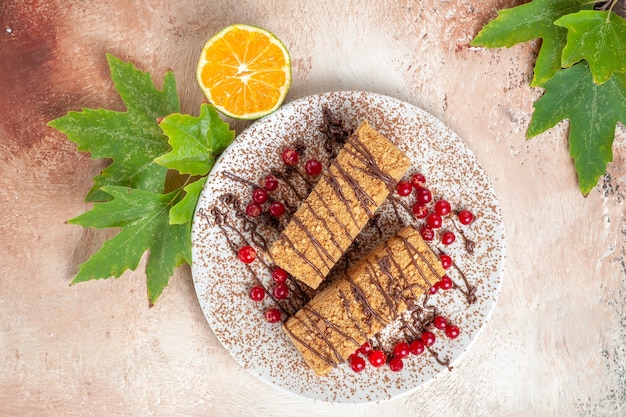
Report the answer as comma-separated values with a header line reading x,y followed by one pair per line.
x,y
183,211
599,37
593,111
144,219
195,141
131,139
531,21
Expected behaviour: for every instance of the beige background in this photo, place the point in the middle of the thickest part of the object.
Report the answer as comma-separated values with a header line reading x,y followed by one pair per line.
x,y
556,343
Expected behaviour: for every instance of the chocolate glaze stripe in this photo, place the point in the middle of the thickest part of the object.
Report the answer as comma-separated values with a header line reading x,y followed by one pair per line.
x,y
346,306
412,248
332,214
325,224
404,277
338,358
286,241
371,166
307,346
319,248
364,199
333,327
361,298
373,279
333,181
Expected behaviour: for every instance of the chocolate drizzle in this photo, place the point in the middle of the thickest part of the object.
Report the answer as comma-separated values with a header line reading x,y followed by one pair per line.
x,y
334,131
286,241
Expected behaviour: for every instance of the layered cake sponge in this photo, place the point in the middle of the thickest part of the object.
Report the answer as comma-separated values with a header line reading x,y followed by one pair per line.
x,y
359,304
355,184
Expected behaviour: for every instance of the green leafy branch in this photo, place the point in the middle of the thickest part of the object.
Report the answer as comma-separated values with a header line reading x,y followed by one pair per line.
x,y
148,144
581,64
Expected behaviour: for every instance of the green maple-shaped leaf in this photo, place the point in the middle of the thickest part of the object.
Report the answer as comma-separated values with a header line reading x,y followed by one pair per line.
x,y
599,37
531,21
195,141
130,139
593,111
144,219
182,212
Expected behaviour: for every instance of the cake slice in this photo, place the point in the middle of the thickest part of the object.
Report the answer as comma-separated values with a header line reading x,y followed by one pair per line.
x,y
356,306
355,184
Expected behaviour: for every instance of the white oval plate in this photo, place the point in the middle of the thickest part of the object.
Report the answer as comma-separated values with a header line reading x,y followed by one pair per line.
x,y
222,282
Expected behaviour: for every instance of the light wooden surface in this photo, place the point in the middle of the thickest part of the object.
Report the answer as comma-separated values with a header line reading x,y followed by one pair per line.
x,y
556,342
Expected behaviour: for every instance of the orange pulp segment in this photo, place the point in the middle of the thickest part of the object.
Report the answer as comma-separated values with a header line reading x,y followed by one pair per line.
x,y
244,71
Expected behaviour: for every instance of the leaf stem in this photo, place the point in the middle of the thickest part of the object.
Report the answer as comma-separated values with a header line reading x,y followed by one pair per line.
x,y
180,189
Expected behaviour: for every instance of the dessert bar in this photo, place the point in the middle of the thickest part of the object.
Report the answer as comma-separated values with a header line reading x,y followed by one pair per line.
x,y
354,185
373,293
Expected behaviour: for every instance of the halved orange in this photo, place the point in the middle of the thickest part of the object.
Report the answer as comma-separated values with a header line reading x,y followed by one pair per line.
x,y
244,71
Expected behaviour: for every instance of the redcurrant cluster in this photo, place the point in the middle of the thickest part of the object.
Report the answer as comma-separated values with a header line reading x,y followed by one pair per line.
x,y
260,197
422,209
290,157
247,255
280,291
402,350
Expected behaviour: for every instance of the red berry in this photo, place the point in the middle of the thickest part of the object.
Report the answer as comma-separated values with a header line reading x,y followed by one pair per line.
x,y
272,315
313,167
434,220
420,211
259,196
290,156
440,322
270,183
401,350
404,188
396,364
377,358
446,261
442,207
428,338
246,254
452,331
257,293
279,275
357,363
365,348
418,180
447,238
424,195
445,283
416,347
253,210
427,233
466,217
277,209
281,291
